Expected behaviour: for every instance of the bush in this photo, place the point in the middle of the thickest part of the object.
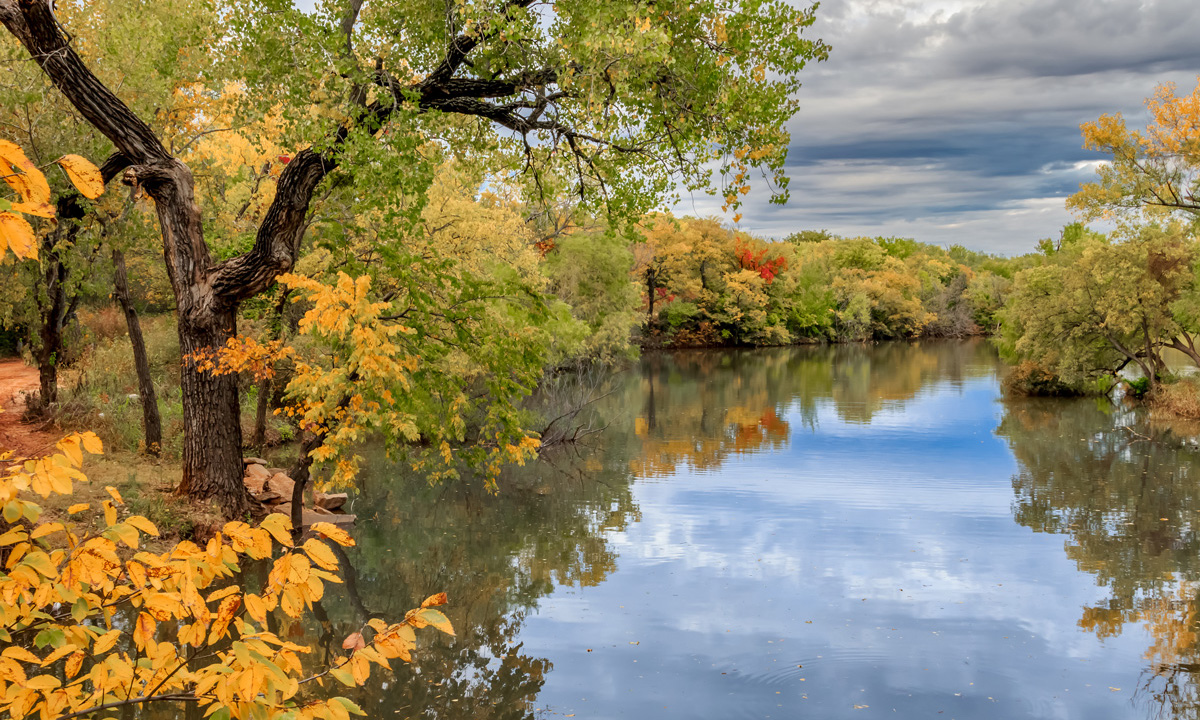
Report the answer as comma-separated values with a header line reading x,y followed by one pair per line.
x,y
1180,399
1033,380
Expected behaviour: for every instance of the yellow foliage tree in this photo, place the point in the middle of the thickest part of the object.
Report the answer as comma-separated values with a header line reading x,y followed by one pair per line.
x,y
1156,169
91,623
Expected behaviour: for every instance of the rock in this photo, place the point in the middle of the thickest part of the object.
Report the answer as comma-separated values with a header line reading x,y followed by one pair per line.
x,y
277,471
270,498
322,511
257,471
254,461
282,484
309,517
332,501
255,485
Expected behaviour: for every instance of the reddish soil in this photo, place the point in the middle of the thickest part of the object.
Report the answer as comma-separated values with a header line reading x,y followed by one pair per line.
x,y
26,439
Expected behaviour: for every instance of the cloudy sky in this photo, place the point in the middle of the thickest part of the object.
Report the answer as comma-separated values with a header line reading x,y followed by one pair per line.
x,y
958,121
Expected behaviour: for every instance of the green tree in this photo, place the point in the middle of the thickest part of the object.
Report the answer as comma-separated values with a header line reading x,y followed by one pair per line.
x,y
1102,305
625,100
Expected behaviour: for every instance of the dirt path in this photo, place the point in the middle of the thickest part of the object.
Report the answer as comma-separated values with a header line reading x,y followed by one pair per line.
x,y
27,439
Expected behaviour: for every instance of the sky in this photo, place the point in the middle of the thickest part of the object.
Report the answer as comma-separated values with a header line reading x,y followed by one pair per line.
x,y
958,121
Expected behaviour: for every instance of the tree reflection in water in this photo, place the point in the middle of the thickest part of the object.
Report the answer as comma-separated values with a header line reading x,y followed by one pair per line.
x,y
1125,493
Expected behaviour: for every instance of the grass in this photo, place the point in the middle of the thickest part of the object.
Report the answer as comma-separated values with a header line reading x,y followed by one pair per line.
x,y
147,487
100,388
1178,399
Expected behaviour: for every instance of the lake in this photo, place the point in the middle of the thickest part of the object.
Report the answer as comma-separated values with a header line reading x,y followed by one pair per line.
x,y
824,532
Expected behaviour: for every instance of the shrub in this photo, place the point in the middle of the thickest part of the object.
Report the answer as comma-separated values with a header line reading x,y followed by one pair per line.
x,y
1180,399
1031,379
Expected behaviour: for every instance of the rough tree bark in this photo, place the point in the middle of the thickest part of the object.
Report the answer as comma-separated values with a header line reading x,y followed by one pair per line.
x,y
151,420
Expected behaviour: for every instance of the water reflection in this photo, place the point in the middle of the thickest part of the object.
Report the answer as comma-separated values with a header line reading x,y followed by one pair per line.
x,y
814,531
735,402
1124,491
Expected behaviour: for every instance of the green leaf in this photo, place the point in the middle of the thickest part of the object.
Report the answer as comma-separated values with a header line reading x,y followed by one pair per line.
x,y
80,610
53,637
350,706
5,205
343,676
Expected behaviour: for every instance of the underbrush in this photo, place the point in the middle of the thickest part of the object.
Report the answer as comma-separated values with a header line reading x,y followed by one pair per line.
x,y
1179,399
1032,380
100,390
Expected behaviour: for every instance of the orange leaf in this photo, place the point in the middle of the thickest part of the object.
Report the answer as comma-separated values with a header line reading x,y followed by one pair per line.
x,y
44,210
84,175
22,175
434,600
354,641
17,234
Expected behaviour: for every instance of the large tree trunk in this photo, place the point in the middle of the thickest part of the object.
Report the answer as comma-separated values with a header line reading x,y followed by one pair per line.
x,y
151,420
212,426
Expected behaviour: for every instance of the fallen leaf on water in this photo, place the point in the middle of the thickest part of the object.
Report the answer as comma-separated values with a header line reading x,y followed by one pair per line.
x,y
861,707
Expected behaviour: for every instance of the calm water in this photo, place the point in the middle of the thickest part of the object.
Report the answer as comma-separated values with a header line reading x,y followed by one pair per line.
x,y
806,532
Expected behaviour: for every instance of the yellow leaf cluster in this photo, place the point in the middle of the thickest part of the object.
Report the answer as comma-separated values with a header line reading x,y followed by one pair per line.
x,y
90,623
33,193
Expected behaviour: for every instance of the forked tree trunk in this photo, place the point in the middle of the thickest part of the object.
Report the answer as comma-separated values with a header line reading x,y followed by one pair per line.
x,y
207,294
151,420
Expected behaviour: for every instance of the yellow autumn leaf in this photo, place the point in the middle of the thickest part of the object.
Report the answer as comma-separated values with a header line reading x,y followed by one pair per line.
x,y
429,616
434,600
142,524
84,175
105,642
42,210
144,629
320,554
92,443
22,175
280,527
78,508
334,533
17,234
116,496
74,663
46,529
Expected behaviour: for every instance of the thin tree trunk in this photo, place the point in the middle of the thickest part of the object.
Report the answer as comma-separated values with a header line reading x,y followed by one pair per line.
x,y
259,439
151,420
53,304
651,287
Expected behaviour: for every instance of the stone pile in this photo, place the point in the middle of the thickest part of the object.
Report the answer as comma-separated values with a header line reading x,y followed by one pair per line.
x,y
273,488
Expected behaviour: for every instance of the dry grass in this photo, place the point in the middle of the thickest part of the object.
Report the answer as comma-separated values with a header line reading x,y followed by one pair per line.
x,y
1179,399
105,323
147,487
